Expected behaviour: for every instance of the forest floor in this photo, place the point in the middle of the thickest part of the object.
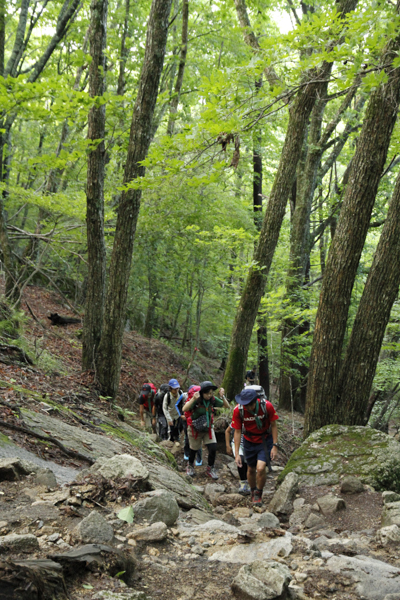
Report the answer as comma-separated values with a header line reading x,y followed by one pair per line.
x,y
56,374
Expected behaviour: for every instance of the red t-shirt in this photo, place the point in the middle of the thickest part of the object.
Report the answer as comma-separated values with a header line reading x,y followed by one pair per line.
x,y
250,422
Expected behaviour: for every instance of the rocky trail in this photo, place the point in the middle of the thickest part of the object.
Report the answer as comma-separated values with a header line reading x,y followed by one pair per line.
x,y
92,507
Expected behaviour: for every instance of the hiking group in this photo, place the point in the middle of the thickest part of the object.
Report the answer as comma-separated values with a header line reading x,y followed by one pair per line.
x,y
251,438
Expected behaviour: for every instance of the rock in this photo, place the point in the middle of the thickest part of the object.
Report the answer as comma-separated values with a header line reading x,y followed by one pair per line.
x,y
155,533
390,497
300,515
94,529
282,501
54,537
197,516
298,503
230,519
11,469
46,477
337,450
14,542
242,512
351,485
268,520
374,578
213,490
230,499
391,514
248,553
159,505
314,521
215,526
162,477
200,489
389,534
261,581
233,470
123,465
330,504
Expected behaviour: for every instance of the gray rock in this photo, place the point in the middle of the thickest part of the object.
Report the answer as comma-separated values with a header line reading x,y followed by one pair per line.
x,y
298,503
157,532
390,497
351,485
391,514
162,477
19,543
125,595
314,521
337,450
268,520
261,581
215,526
197,516
213,490
11,469
330,504
300,515
374,579
282,501
123,465
54,537
46,477
233,470
159,505
389,534
248,553
94,529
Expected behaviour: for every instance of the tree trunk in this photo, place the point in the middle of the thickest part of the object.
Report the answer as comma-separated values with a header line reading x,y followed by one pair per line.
x,y
341,268
109,356
380,292
124,53
263,366
95,188
151,307
181,69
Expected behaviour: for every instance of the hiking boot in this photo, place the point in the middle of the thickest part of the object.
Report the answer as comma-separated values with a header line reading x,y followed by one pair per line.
x,y
185,457
198,463
190,471
212,472
256,497
244,488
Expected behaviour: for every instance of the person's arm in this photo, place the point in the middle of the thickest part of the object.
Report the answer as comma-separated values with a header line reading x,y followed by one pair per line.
x,y
228,440
166,410
274,431
191,403
237,437
221,394
141,411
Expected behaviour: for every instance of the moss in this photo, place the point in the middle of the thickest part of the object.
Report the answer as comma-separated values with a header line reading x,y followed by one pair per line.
x,y
4,440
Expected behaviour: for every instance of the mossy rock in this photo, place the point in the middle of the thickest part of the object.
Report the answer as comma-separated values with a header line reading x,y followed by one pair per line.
x,y
338,450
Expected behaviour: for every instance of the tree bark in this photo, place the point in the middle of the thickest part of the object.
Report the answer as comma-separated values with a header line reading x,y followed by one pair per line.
x,y
181,69
96,277
341,268
299,114
110,349
124,53
373,313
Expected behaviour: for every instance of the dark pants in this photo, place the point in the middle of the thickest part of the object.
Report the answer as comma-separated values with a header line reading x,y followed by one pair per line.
x,y
212,453
174,430
162,427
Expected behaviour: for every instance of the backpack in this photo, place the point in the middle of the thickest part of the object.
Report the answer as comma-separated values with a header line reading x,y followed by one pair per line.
x,y
158,400
263,408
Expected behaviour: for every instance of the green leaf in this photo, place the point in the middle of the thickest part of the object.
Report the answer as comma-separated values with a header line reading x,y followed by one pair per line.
x,y
126,514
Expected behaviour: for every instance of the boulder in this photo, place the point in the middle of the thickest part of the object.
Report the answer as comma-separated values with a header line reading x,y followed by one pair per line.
x,y
279,547
391,514
351,485
300,515
330,504
197,516
335,451
159,505
46,477
94,529
123,465
230,500
390,534
261,581
268,520
390,497
11,469
213,490
129,595
157,532
14,542
314,521
282,501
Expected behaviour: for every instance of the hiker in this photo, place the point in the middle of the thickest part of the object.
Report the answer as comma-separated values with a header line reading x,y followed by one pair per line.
x,y
170,411
179,405
250,377
199,410
244,488
161,420
257,418
147,408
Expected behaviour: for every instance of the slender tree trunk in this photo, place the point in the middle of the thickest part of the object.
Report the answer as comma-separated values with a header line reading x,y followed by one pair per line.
x,y
95,188
341,268
151,307
124,52
380,292
109,356
181,69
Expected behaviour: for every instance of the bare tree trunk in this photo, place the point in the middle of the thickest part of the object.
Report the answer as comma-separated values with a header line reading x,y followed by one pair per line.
x,y
95,188
124,52
341,268
109,356
373,313
181,69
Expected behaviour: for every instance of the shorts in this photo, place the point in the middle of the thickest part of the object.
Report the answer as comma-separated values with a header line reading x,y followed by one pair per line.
x,y
241,452
202,438
255,452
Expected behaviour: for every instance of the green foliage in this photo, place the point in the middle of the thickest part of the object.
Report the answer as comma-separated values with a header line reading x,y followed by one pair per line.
x,y
126,514
387,477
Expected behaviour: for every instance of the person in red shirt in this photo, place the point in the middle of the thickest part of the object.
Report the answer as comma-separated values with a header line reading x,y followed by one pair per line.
x,y
260,443
147,407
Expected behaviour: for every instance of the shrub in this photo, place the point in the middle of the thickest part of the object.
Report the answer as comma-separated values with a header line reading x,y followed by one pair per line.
x,y
387,477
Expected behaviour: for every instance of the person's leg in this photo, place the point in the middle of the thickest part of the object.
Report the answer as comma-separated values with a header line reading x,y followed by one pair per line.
x,y
212,453
186,448
251,476
261,475
199,457
194,445
242,471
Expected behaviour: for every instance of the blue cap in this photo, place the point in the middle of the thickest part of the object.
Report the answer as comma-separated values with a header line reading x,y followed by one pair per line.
x,y
173,383
246,396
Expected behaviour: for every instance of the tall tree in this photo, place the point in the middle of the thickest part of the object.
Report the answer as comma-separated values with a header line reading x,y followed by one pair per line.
x,y
344,255
110,349
299,113
95,186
